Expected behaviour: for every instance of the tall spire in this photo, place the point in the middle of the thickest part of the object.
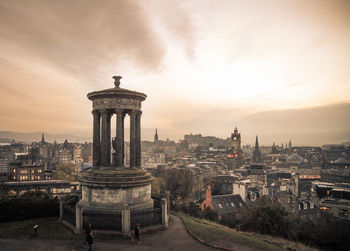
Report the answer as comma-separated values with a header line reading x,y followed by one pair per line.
x,y
257,152
156,136
42,138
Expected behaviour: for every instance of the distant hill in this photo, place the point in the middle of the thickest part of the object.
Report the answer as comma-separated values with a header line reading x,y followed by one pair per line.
x,y
5,140
8,136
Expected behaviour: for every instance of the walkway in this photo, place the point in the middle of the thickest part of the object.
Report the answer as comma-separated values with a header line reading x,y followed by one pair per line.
x,y
175,238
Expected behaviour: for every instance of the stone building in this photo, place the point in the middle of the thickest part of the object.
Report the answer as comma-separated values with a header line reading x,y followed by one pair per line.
x,y
26,172
222,205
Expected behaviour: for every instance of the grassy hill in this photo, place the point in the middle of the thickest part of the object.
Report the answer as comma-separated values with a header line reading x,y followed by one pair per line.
x,y
227,238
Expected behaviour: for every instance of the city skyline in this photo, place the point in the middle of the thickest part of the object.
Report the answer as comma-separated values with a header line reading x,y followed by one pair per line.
x,y
280,71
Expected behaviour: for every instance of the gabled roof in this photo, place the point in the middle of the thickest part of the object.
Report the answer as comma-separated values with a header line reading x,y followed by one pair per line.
x,y
228,203
341,161
294,158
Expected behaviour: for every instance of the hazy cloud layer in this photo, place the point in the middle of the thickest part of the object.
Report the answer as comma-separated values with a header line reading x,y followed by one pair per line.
x,y
206,65
316,125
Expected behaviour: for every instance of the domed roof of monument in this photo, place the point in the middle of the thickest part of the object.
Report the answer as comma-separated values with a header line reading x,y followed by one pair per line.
x,y
116,92
295,158
341,161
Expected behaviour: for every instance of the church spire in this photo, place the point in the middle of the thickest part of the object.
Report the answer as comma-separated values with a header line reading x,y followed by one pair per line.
x,y
256,143
42,138
156,136
257,152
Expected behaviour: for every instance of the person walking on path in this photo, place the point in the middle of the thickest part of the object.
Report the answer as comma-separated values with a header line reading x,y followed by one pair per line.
x,y
137,233
89,237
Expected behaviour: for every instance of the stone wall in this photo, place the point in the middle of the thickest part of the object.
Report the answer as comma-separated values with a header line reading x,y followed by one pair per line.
x,y
107,197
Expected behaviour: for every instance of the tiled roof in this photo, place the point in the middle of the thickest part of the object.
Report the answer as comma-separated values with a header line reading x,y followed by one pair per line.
x,y
226,204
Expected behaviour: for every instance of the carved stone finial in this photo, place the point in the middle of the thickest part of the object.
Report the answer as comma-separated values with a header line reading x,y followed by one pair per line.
x,y
116,80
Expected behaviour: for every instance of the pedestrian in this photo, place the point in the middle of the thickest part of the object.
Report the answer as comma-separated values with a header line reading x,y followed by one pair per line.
x,y
35,229
137,233
89,237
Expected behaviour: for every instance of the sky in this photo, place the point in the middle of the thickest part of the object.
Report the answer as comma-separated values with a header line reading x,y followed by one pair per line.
x,y
276,69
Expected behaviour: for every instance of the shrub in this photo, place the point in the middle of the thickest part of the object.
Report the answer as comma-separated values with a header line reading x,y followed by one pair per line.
x,y
209,214
28,206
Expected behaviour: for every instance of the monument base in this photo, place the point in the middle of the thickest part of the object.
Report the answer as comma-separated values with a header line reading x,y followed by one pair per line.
x,y
111,189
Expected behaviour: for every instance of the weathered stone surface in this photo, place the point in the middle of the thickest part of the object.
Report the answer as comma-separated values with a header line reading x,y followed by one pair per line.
x,y
107,188
114,197
113,103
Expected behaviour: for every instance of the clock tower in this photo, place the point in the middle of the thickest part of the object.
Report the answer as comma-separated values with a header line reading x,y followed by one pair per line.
x,y
236,148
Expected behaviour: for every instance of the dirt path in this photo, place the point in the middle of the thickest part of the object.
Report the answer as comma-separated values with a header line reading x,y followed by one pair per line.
x,y
174,238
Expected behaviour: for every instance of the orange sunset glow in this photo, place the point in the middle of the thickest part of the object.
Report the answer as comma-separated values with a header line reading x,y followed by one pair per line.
x,y
279,69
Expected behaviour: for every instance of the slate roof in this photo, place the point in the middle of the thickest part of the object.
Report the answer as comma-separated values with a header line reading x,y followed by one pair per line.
x,y
284,175
341,161
228,203
294,158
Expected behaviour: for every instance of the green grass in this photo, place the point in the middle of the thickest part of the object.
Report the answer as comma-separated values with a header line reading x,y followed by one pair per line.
x,y
213,233
49,228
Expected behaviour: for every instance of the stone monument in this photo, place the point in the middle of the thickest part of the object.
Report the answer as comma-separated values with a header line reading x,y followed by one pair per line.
x,y
110,186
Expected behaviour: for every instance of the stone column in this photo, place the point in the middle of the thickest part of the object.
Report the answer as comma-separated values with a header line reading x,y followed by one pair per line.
x,y
164,212
104,138
109,139
96,138
78,218
126,219
61,210
138,139
123,144
120,137
132,139
167,196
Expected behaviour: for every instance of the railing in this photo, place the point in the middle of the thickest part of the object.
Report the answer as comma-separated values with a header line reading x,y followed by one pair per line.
x,y
146,218
99,220
157,201
69,211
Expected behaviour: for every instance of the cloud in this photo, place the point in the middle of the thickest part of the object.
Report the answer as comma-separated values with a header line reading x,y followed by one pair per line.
x,y
79,37
174,19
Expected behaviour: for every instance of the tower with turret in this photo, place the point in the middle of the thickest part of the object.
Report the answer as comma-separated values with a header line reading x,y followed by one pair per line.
x,y
236,148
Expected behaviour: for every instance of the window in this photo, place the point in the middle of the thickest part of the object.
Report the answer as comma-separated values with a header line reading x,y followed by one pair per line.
x,y
265,191
343,212
324,209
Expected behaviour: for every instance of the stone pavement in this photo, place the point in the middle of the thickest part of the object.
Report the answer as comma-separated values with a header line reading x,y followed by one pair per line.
x,y
175,238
